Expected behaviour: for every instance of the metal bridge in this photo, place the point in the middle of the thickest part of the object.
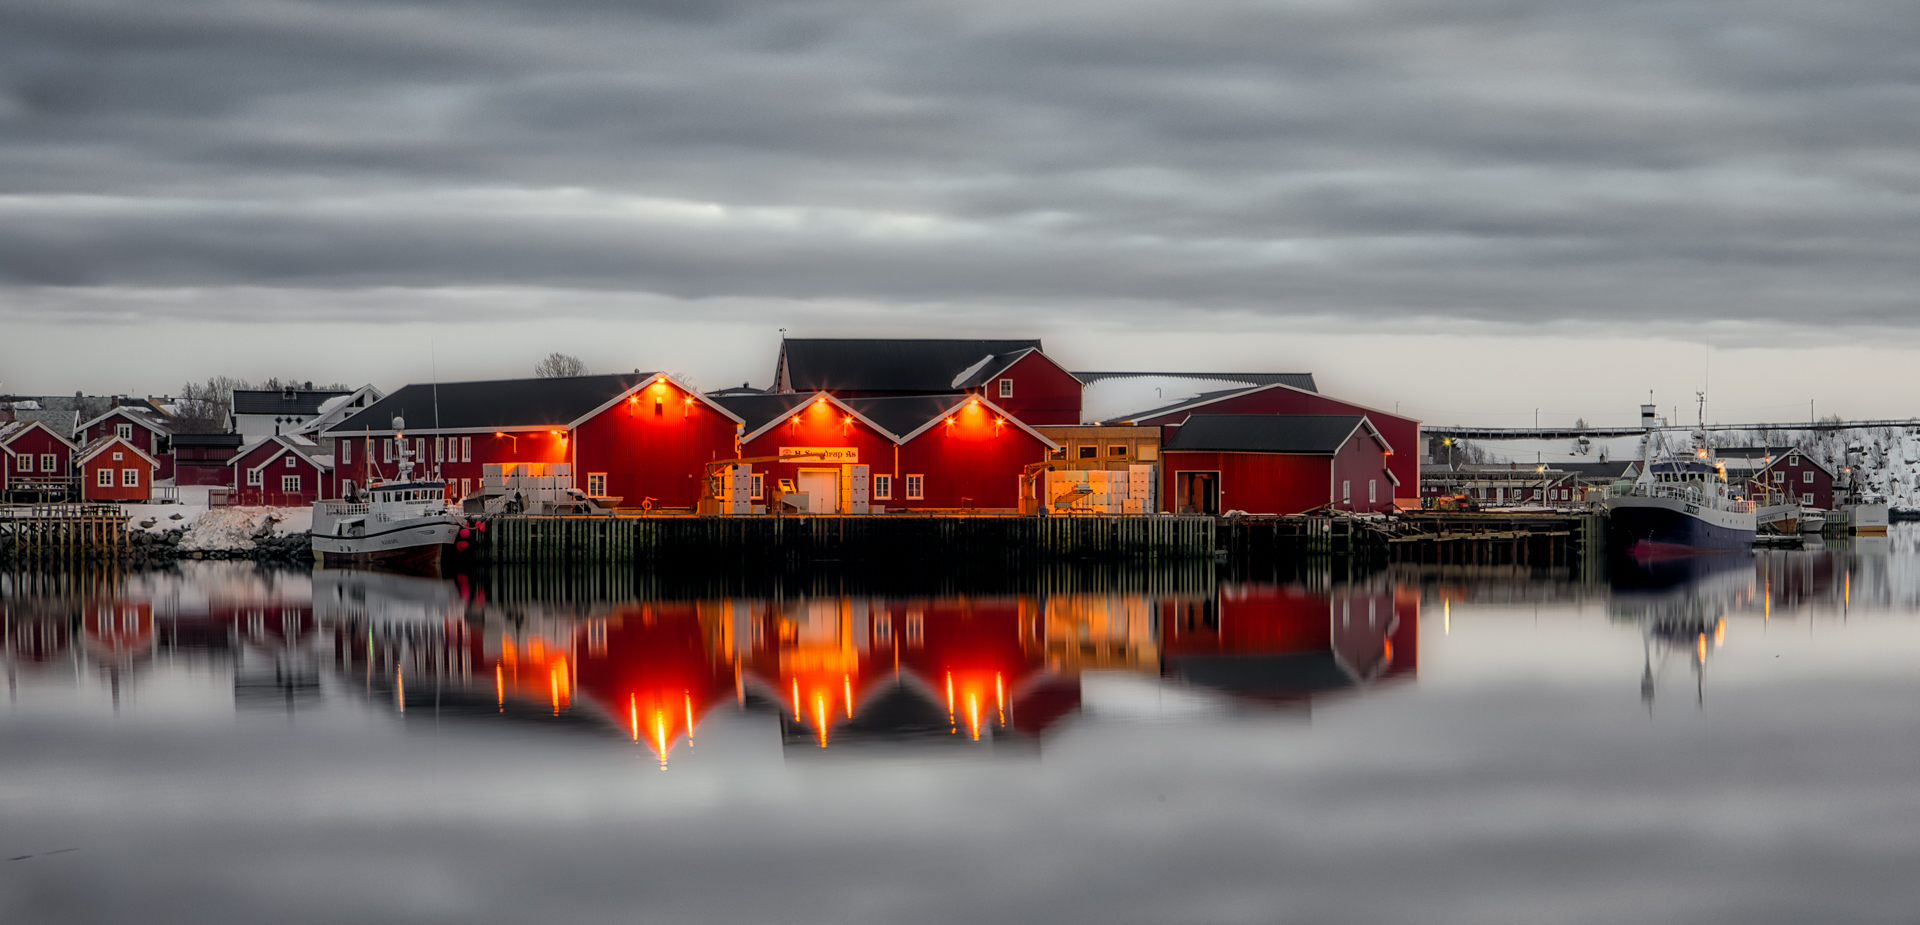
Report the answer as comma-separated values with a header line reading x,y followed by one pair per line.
x,y
1569,433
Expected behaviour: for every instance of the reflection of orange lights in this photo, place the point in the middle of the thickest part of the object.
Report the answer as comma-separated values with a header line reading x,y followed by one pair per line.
x,y
949,698
1700,647
973,715
796,700
846,684
499,689
820,719
689,702
660,737
399,688
1000,697
1386,651
633,714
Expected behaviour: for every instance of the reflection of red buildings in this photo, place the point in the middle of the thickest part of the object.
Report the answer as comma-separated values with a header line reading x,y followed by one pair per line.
x,y
1279,643
650,667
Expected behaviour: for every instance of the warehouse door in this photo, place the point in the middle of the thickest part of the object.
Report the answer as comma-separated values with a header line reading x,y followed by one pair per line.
x,y
1199,492
822,488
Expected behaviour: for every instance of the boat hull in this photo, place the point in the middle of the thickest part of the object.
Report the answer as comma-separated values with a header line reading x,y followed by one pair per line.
x,y
418,546
1659,527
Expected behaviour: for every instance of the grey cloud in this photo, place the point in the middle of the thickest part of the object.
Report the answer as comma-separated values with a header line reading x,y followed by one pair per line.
x,y
1491,159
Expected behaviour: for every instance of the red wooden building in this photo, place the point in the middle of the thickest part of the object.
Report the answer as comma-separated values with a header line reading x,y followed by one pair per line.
x,y
637,437
1283,399
140,426
917,452
1016,375
113,468
1798,478
283,470
1276,464
38,461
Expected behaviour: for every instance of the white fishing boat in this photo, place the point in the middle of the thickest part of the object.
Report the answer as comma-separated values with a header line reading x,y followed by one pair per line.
x,y
403,524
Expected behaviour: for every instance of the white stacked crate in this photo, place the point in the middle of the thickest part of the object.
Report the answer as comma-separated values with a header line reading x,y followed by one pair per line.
x,y
1141,485
856,486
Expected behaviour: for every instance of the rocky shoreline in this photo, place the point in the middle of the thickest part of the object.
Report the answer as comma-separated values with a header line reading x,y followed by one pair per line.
x,y
146,547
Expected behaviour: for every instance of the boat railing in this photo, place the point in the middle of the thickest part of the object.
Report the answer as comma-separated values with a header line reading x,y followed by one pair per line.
x,y
1692,494
342,508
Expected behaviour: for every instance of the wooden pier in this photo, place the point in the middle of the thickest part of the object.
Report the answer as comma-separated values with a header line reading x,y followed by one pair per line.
x,y
1547,539
63,533
905,539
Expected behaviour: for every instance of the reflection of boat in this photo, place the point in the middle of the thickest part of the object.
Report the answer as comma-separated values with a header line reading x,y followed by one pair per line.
x,y
403,523
1679,506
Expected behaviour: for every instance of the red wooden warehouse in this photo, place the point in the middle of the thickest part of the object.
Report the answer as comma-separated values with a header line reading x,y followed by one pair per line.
x,y
1276,464
1283,399
112,468
38,461
140,426
638,437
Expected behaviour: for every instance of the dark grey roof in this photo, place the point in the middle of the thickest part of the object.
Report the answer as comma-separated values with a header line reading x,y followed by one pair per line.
x,y
1196,401
228,440
1264,433
1297,380
301,402
902,415
1754,452
493,403
758,409
884,364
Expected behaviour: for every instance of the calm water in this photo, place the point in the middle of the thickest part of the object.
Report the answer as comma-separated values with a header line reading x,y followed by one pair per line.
x,y
1737,740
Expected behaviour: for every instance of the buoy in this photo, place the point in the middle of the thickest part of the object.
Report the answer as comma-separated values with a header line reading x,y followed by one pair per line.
x,y
481,526
464,533
461,546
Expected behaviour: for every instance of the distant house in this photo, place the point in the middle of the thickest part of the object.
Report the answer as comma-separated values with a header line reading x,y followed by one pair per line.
x,y
284,470
202,459
1276,464
39,460
1782,475
260,413
1016,375
643,437
115,468
141,425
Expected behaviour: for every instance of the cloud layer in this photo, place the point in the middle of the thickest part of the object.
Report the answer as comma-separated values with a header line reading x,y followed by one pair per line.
x,y
1479,159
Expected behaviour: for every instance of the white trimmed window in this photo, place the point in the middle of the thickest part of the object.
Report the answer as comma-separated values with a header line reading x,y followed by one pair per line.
x,y
1806,498
1346,491
465,487
1779,478
597,484
49,462
916,487
758,490
883,488
439,449
256,478
118,455
386,449
123,431
1373,491
346,452
1807,477
466,449
290,483
1006,388
103,478
289,459
130,478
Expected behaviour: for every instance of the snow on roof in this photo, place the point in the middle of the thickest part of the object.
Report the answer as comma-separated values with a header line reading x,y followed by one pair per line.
x,y
335,402
1107,399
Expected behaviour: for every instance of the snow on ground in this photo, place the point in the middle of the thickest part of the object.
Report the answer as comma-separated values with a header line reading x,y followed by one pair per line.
x,y
192,509
1107,399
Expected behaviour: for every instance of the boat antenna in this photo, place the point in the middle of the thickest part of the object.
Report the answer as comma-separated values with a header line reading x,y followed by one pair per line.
x,y
433,365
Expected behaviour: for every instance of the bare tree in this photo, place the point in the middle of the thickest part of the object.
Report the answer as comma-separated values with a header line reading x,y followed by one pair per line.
x,y
558,365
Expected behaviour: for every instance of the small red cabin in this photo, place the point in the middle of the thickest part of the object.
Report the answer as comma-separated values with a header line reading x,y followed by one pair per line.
x,y
1276,464
1797,478
37,460
112,468
282,471
138,426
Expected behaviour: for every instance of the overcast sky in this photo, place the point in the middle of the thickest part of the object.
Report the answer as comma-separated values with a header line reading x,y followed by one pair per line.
x,y
1474,207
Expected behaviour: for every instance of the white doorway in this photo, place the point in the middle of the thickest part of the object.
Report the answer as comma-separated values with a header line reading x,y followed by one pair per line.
x,y
822,488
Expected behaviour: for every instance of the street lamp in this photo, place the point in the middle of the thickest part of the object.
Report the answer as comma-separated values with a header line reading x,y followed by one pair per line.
x,y
516,440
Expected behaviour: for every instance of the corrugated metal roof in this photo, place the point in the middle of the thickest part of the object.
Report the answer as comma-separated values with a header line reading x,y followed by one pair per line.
x,y
275,401
1297,380
1264,433
884,364
758,410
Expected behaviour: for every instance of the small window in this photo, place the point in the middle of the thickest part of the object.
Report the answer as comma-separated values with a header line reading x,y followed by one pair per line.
x,y
1793,459
1807,477
916,487
1089,452
439,449
346,452
1117,451
883,488
289,458
1373,491
758,490
386,450
659,407
103,478
254,477
597,484
290,483
130,478
1779,478
465,487
1346,492
117,456
123,431
49,462
1006,388
1806,498
466,449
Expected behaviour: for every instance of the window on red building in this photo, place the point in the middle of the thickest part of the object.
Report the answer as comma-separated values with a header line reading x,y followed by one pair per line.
x,y
130,478
103,478
916,487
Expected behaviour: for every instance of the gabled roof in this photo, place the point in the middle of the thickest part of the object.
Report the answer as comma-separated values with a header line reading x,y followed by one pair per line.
x,y
143,414
14,430
339,407
505,404
762,412
302,402
287,443
908,416
1302,381
1317,434
1209,398
96,447
984,371
885,364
